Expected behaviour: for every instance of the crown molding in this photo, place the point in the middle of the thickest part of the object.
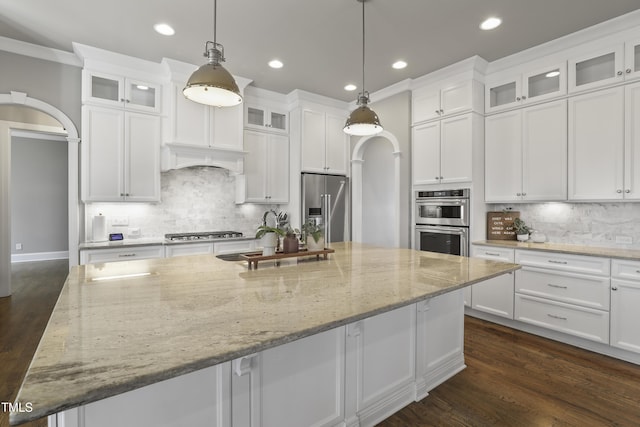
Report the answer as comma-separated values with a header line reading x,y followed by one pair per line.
x,y
36,51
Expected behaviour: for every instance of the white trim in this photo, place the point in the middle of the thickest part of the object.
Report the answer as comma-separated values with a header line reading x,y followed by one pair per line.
x,y
36,51
357,164
39,256
74,207
23,133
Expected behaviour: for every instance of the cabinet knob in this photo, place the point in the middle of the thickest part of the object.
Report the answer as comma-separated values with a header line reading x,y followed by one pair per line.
x,y
618,191
627,191
437,177
518,98
614,288
518,194
127,101
121,99
628,70
524,194
437,111
441,177
619,73
441,111
524,97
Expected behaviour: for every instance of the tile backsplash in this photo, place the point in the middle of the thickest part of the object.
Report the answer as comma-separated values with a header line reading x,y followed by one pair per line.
x,y
192,199
597,224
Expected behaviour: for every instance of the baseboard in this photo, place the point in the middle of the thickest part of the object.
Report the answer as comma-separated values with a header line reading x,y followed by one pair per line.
x,y
39,256
439,375
386,407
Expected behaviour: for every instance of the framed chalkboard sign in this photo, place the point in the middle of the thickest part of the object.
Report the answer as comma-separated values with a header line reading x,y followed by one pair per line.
x,y
500,225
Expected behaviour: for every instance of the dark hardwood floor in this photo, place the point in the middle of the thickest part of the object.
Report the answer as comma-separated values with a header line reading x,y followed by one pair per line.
x,y
517,379
23,317
512,378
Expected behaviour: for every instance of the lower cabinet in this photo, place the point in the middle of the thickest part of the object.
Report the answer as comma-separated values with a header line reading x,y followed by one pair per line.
x,y
93,256
494,296
171,251
625,301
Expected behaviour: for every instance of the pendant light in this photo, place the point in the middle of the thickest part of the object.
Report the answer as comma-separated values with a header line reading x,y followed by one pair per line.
x,y
363,121
212,84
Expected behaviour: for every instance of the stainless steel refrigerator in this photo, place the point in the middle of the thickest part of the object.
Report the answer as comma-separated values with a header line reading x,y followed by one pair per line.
x,y
325,200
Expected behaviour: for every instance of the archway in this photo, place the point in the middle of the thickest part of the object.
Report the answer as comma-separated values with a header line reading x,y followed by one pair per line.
x,y
358,194
21,99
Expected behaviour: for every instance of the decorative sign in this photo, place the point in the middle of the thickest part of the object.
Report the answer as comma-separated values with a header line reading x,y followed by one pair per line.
x,y
500,225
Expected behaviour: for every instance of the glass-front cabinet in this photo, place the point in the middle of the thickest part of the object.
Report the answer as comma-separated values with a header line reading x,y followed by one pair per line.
x,y
632,59
507,91
119,91
269,119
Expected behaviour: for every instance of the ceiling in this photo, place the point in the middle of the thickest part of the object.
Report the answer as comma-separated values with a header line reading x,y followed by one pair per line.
x,y
320,42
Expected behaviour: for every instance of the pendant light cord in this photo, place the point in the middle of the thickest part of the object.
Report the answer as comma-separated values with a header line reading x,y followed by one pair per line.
x,y
363,42
215,13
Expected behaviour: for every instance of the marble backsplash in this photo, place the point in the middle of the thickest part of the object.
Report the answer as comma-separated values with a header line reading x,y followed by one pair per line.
x,y
596,224
192,199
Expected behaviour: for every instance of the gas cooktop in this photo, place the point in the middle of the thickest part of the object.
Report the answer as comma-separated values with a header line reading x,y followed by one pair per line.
x,y
205,235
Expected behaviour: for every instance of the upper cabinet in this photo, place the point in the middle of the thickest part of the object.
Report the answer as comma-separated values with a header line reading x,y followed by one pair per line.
x,y
120,92
445,100
507,90
605,66
266,118
324,145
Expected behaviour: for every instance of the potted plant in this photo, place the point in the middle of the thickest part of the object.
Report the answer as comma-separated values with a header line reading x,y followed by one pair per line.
x,y
314,235
269,233
522,230
290,242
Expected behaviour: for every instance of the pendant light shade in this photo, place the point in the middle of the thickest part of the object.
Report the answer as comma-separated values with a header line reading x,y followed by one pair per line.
x,y
212,84
363,121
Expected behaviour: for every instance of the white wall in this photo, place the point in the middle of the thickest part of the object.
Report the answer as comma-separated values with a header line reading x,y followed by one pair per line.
x,y
378,193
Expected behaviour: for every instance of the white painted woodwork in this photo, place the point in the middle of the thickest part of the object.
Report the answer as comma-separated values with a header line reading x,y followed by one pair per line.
x,y
96,256
632,141
425,153
197,399
118,91
596,145
381,352
234,246
495,295
266,118
324,145
632,59
526,154
141,157
171,251
580,264
625,300
445,99
266,168
599,67
440,341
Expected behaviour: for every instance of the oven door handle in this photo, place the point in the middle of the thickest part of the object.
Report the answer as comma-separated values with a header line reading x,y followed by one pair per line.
x,y
443,229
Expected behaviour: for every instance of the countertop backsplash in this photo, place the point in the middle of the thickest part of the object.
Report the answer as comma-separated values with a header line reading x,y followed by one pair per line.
x,y
596,224
198,198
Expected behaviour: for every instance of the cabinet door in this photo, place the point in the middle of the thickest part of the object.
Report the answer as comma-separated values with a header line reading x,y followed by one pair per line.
x,y
101,88
596,145
503,93
456,149
188,120
596,69
337,145
226,129
255,165
425,104
625,300
503,157
544,83
544,157
632,59
313,141
141,96
277,166
142,157
102,154
632,143
456,98
426,154
494,296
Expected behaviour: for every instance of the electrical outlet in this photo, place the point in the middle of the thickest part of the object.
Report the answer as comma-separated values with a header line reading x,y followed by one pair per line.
x,y
624,240
119,221
134,232
18,246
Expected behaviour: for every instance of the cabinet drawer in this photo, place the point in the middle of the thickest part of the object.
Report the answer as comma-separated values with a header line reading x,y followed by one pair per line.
x,y
565,262
570,319
623,269
235,246
92,256
494,253
572,288
188,249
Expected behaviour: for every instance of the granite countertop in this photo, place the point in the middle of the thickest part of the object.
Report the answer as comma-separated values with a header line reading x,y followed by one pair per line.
x,y
601,251
145,241
120,326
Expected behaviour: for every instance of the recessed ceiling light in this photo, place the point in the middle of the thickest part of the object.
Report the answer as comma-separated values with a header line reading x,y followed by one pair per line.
x,y
350,87
274,63
491,23
399,65
164,29
552,73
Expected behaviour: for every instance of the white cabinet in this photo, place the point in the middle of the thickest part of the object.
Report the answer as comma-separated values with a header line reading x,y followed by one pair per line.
x,y
632,142
324,145
200,248
266,118
266,168
120,155
605,66
526,154
442,151
194,124
507,91
123,253
494,296
596,145
446,99
120,92
381,361
625,300
235,246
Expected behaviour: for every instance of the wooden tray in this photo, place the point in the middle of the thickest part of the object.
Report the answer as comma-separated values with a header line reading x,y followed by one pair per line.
x,y
256,257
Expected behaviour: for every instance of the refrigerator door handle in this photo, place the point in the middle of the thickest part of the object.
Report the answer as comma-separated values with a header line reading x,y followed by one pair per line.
x,y
327,217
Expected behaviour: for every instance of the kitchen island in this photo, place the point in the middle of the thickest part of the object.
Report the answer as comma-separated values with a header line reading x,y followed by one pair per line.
x,y
200,341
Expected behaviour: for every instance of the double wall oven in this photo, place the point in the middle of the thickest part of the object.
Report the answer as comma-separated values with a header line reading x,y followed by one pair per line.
x,y
442,221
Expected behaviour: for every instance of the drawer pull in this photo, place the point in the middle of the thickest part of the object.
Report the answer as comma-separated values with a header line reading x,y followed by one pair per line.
x,y
553,261
554,316
126,255
492,254
556,286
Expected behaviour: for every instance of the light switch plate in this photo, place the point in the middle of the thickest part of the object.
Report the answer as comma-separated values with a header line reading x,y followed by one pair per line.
x,y
118,221
624,240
